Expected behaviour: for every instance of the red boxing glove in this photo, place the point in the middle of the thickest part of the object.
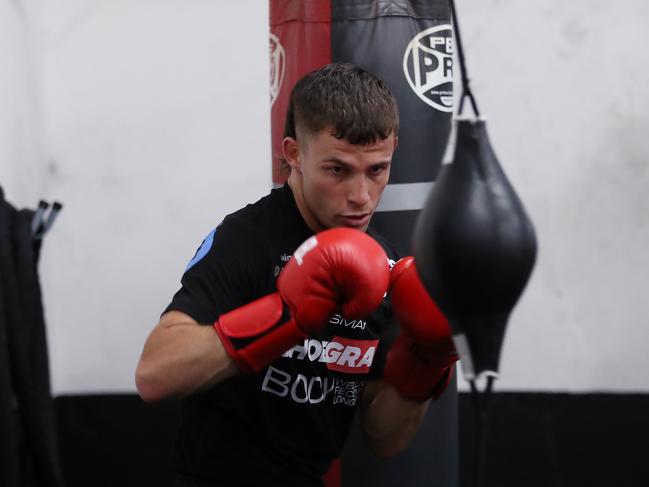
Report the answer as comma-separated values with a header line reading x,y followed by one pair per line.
x,y
338,270
420,362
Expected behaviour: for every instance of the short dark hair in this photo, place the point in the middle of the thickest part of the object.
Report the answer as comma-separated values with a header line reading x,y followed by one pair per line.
x,y
357,105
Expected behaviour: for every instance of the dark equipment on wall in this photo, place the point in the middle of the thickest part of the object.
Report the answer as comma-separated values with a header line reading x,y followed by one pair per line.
x,y
29,454
475,248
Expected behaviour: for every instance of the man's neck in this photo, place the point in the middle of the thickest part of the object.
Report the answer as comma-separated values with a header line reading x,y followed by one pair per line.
x,y
296,188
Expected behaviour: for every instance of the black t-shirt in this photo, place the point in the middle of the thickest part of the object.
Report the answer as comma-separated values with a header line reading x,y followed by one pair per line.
x,y
284,425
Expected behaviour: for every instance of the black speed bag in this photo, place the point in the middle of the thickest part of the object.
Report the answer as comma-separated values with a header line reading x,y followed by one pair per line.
x,y
475,248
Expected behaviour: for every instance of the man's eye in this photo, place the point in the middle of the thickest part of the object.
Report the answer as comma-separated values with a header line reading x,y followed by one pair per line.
x,y
336,170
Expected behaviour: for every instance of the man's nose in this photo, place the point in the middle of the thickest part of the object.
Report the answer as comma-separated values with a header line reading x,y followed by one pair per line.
x,y
359,192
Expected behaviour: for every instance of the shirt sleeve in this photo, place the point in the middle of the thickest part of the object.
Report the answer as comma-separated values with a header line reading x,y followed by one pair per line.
x,y
225,273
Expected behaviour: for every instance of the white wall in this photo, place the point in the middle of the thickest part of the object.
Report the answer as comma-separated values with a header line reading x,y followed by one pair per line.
x,y
568,120
156,125
21,138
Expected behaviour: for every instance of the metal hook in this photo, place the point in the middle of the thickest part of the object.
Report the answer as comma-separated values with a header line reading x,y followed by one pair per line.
x,y
37,219
40,224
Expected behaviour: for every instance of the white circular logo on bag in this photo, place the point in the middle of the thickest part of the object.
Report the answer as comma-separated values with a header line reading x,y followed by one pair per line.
x,y
277,67
428,66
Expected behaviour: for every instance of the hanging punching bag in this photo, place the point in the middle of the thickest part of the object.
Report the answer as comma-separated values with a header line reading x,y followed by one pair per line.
x,y
475,248
408,43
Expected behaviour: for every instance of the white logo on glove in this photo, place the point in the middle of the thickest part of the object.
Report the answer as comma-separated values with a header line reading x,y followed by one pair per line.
x,y
304,249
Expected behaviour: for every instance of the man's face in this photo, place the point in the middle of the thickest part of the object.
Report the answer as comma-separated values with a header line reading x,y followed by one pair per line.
x,y
338,184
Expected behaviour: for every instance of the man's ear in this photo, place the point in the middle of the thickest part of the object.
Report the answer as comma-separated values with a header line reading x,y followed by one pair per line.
x,y
291,152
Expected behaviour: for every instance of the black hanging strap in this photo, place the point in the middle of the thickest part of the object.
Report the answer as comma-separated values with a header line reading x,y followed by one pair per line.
x,y
481,410
466,88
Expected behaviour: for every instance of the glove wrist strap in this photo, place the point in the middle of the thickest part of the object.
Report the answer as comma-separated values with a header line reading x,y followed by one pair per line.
x,y
256,334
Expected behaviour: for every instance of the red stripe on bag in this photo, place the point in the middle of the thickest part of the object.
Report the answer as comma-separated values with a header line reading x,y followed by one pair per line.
x,y
300,41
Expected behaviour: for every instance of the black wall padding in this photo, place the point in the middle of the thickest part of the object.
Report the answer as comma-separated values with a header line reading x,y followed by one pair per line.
x,y
560,440
534,440
117,440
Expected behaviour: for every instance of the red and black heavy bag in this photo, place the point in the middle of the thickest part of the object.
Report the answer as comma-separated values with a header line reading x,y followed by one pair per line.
x,y
408,44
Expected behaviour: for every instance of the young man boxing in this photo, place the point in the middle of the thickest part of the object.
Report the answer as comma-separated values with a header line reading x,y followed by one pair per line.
x,y
285,322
